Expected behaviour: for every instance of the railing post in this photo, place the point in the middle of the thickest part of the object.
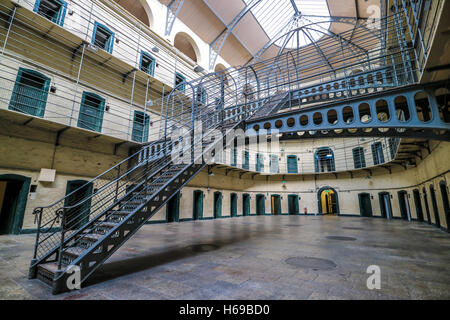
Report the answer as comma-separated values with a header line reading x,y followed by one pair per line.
x,y
37,218
60,213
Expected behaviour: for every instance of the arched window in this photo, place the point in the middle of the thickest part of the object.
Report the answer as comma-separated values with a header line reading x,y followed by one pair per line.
x,y
186,45
324,160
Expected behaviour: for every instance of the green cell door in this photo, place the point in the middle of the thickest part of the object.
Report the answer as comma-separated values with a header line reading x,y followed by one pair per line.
x,y
198,205
13,200
217,205
385,205
260,205
292,164
30,93
91,112
418,204
404,206
246,205
77,204
444,194
435,207
276,205
233,205
173,209
427,207
293,206
365,206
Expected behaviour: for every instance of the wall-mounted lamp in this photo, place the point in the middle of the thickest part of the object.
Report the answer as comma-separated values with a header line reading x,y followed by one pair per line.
x,y
107,108
155,49
71,12
52,89
198,69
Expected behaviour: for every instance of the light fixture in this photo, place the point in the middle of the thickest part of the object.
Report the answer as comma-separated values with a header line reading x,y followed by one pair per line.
x,y
198,69
155,49
149,103
92,48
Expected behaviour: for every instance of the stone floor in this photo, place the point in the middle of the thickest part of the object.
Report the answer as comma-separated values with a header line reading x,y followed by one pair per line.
x,y
256,258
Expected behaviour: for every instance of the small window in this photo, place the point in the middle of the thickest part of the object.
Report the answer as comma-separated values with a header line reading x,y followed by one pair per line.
x,y
91,112
234,157
201,95
274,165
377,153
141,124
53,10
147,63
103,37
180,82
358,158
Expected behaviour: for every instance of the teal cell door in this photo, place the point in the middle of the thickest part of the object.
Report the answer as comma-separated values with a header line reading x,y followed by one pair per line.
x,y
246,205
77,204
404,204
418,204
217,204
91,112
13,200
173,209
292,164
260,205
276,205
435,207
365,206
385,205
233,205
293,206
427,207
444,194
198,205
30,93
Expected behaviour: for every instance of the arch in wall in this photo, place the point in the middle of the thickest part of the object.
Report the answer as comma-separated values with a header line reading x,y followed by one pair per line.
x,y
220,70
328,201
13,200
187,45
139,9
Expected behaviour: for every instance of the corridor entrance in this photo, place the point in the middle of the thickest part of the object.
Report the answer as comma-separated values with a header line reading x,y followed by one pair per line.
x,y
173,209
260,205
418,203
246,205
404,205
13,200
328,201
385,205
198,205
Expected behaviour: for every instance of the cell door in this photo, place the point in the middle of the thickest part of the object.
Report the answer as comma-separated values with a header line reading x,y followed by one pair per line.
x,y
246,205
418,203
233,205
173,209
365,205
293,206
276,205
444,194
260,205
217,205
198,205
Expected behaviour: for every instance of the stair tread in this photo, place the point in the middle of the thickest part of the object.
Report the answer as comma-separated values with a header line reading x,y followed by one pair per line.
x,y
74,251
92,236
50,267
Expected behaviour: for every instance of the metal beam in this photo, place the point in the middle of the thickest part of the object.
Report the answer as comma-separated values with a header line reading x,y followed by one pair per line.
x,y
173,9
216,46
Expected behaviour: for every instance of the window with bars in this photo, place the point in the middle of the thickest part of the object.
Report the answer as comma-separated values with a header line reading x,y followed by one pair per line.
x,y
245,160
180,82
274,164
377,153
91,112
324,160
53,10
103,37
141,123
259,162
358,158
147,63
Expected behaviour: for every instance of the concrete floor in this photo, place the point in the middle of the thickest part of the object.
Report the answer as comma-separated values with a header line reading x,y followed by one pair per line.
x,y
256,258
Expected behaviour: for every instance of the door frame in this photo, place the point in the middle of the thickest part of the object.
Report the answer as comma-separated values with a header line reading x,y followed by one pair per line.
x,y
445,202
22,198
276,196
319,199
200,213
258,196
402,198
437,219
175,198
246,199
418,204
233,204
217,205
381,199
296,206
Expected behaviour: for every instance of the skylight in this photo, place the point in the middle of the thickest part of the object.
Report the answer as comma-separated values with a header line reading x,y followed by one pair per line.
x,y
275,16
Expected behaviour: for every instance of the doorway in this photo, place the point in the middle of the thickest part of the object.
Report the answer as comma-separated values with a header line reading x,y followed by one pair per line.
x,y
418,204
217,205
445,201
233,205
198,205
13,200
404,205
365,205
435,207
293,206
427,207
276,205
173,209
77,215
260,204
246,205
328,201
385,205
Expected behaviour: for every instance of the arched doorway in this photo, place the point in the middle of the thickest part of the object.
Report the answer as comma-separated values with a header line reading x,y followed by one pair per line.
x,y
13,200
328,201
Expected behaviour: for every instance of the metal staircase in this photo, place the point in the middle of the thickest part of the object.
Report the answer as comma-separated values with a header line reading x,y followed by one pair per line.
x,y
84,233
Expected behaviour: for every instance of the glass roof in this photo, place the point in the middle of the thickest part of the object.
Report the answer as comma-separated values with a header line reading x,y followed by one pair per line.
x,y
277,15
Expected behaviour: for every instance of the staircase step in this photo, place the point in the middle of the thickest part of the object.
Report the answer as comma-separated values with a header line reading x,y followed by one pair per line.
x,y
74,251
91,237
